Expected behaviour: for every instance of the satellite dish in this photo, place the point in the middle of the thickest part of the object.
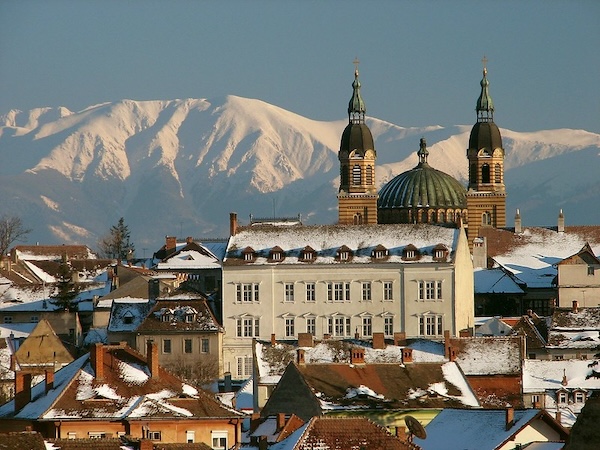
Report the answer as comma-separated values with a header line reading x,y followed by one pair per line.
x,y
415,428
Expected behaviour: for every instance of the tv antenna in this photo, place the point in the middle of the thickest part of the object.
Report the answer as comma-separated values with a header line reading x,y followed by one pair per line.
x,y
415,428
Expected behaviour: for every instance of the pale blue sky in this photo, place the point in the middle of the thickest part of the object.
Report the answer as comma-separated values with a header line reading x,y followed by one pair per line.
x,y
420,61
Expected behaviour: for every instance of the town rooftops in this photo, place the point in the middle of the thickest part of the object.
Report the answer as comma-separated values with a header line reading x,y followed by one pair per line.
x,y
575,328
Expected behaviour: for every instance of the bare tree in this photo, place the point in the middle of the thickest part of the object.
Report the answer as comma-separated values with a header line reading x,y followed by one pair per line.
x,y
198,370
11,230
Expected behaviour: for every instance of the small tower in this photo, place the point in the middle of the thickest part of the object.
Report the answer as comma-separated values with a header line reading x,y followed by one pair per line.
x,y
357,197
486,193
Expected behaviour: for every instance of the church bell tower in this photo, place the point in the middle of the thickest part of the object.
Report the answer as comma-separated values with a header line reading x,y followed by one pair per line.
x,y
486,193
357,197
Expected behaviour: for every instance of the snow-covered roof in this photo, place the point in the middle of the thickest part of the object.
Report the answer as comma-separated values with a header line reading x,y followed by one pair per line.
x,y
495,281
533,254
543,375
493,327
488,356
472,429
128,313
190,259
326,240
575,329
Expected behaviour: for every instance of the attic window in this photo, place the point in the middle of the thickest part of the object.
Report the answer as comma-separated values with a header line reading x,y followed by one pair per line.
x,y
249,254
344,253
276,254
307,254
440,252
128,318
410,252
189,318
379,252
165,317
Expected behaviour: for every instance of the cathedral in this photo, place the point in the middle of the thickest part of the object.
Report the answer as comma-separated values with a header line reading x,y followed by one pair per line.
x,y
423,194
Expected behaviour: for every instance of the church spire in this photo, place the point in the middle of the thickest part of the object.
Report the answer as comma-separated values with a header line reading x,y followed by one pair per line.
x,y
485,105
356,106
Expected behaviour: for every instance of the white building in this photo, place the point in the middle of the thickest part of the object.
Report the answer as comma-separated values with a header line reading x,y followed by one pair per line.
x,y
342,281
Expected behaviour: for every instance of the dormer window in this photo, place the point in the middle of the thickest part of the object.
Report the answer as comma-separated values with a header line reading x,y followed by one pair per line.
x,y
307,254
379,252
344,253
440,252
249,254
410,253
165,317
276,254
128,318
189,318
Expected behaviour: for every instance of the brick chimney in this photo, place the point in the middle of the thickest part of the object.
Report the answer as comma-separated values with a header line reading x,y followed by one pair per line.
x,y
575,306
407,355
447,343
280,421
510,417
467,332
357,355
97,360
49,379
189,240
170,244
300,353
22,390
152,358
400,339
378,341
558,416
233,224
273,339
305,340
146,444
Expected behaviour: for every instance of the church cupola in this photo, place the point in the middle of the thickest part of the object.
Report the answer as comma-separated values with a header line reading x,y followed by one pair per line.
x,y
357,198
486,195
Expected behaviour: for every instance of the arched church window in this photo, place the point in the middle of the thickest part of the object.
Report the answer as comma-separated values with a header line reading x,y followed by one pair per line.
x,y
423,217
485,173
473,173
486,218
497,174
356,175
358,219
442,218
369,175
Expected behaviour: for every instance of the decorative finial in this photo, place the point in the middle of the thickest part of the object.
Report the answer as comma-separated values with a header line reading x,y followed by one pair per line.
x,y
356,62
423,152
484,61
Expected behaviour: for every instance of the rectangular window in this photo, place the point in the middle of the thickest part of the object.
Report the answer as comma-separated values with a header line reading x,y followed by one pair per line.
x,y
388,325
8,319
311,326
34,319
96,434
366,291
289,327
535,399
590,271
71,435
247,292
562,397
338,291
219,440
339,326
244,366
205,345
310,292
187,346
430,290
579,397
430,325
166,345
388,292
154,435
248,327
289,292
367,326
190,436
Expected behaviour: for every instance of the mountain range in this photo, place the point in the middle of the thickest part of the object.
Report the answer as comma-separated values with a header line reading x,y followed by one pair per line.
x,y
179,167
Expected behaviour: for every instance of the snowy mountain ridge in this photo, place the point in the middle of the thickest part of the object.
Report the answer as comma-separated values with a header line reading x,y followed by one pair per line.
x,y
180,166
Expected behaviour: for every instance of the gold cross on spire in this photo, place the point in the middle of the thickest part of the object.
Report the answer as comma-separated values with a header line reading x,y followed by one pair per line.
x,y
484,61
356,62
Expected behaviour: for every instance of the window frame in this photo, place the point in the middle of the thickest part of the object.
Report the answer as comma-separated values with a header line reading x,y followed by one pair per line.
x,y
388,291
367,291
167,346
188,346
311,292
288,292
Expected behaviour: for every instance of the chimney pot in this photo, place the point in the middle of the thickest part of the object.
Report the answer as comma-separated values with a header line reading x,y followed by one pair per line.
x,y
357,355
300,356
233,224
407,355
510,417
575,306
273,339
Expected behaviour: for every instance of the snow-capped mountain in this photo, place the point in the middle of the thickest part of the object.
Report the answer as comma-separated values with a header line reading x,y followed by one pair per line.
x,y
179,167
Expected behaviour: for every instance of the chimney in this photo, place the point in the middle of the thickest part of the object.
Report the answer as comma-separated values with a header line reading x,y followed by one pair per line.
x,y
518,222
558,416
170,244
273,339
305,340
480,253
465,333
152,358
97,360
233,224
146,444
357,355
407,355
254,421
561,222
189,240
447,343
22,390
401,433
400,339
300,353
262,443
564,381
510,417
575,306
280,421
378,341
49,379
227,383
